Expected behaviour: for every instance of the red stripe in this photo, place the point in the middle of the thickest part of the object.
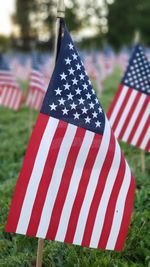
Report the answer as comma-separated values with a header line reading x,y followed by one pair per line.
x,y
98,192
121,110
126,216
65,182
129,117
82,188
46,178
25,174
113,104
143,133
138,120
111,205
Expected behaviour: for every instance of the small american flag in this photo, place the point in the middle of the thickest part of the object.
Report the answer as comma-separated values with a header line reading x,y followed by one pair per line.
x,y
129,113
10,93
37,87
75,185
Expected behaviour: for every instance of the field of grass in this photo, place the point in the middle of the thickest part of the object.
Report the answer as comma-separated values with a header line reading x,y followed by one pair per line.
x,y
20,251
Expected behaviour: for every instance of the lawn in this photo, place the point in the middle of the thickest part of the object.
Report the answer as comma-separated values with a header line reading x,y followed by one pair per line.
x,y
17,250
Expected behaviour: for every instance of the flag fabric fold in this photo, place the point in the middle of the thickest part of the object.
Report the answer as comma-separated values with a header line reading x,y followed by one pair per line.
x,y
129,113
10,92
75,185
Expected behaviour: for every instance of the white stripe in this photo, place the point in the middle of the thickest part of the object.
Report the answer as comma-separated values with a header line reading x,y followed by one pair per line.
x,y
100,216
145,139
73,187
141,126
125,113
36,176
118,105
119,210
56,180
92,184
133,118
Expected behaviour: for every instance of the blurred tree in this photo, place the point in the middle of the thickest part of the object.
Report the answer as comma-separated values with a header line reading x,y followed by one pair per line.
x,y
125,17
36,20
23,9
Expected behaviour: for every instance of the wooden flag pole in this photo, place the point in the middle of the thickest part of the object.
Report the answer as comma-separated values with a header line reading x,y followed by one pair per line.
x,y
143,161
60,14
136,41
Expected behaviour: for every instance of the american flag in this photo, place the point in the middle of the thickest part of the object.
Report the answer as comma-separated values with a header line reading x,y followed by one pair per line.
x,y
75,185
37,87
10,93
129,113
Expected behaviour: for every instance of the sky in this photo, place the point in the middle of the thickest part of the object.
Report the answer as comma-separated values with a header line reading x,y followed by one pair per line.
x,y
7,7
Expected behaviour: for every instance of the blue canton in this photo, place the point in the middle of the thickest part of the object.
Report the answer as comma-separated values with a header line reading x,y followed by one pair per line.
x,y
137,75
70,96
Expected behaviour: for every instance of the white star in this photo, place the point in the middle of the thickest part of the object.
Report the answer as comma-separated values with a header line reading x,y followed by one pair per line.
x,y
98,124
89,82
75,56
85,86
68,61
75,81
100,110
81,101
81,76
76,115
84,110
87,120
58,91
94,114
73,106
71,46
71,71
96,100
91,105
70,96
61,101
63,76
78,91
78,66
88,96
67,86
65,111
53,106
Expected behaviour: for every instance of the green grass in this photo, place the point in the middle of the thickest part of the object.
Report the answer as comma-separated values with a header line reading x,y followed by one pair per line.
x,y
17,250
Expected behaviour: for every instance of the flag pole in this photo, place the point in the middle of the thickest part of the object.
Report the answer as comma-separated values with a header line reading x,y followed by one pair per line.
x,y
60,14
136,41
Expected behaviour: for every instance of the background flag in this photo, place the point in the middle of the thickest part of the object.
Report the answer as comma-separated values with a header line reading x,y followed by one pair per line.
x,y
10,93
129,113
75,185
37,86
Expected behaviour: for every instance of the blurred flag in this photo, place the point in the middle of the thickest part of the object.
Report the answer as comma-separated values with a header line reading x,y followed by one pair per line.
x,y
10,93
129,113
75,185
37,86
